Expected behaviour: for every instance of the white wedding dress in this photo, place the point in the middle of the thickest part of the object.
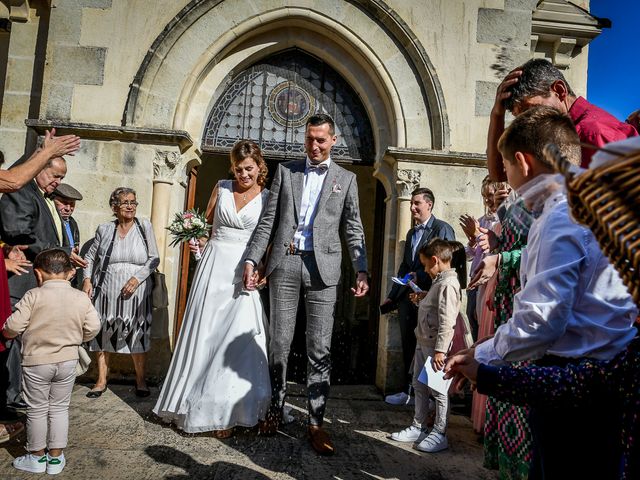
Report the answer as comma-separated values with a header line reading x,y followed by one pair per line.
x,y
219,373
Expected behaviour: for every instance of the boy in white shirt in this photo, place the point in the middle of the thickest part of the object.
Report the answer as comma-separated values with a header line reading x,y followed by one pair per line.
x,y
437,315
54,319
572,305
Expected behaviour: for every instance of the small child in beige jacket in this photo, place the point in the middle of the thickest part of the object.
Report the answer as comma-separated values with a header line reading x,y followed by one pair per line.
x,y
437,315
54,319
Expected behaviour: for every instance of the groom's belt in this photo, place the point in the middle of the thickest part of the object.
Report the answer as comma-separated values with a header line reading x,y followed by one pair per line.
x,y
296,251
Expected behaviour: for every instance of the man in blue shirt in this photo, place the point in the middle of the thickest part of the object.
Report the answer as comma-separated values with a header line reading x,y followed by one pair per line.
x,y
65,198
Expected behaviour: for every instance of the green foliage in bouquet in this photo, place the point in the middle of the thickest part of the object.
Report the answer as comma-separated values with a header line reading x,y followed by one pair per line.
x,y
188,225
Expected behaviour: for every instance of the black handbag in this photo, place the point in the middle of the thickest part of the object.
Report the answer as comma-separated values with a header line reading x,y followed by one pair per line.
x,y
159,291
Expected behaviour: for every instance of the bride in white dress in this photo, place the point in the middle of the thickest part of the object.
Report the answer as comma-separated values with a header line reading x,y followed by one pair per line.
x,y
219,373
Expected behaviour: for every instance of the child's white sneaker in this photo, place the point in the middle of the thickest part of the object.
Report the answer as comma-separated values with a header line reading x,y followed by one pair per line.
x,y
434,442
55,465
411,434
31,463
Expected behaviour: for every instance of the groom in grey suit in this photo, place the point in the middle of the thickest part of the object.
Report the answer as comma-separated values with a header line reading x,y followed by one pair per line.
x,y
310,203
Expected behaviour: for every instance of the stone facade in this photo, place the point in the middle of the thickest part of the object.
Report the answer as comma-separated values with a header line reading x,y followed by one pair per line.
x,y
138,78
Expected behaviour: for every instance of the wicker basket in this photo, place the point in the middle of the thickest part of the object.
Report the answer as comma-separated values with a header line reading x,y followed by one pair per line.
x,y
607,200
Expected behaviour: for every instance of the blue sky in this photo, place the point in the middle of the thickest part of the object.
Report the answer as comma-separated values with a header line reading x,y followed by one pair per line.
x,y
613,81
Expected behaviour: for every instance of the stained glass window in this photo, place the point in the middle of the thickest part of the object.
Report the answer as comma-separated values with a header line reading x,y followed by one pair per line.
x,y
271,101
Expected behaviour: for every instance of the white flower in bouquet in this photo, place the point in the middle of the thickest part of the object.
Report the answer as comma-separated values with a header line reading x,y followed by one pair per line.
x,y
188,226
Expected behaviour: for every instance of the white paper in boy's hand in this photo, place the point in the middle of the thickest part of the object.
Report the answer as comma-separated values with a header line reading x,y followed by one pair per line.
x,y
435,379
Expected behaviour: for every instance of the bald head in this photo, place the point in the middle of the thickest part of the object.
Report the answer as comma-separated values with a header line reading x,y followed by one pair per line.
x,y
52,175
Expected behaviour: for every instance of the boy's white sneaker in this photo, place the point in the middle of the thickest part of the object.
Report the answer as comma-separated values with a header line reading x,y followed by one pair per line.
x,y
434,442
31,463
55,465
400,398
411,434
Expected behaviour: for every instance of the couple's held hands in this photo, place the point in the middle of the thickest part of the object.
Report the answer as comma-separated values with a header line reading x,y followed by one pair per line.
x,y
251,277
60,146
484,272
362,285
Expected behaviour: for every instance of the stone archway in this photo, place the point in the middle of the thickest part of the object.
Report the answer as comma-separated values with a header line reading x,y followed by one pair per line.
x,y
209,41
369,34
271,101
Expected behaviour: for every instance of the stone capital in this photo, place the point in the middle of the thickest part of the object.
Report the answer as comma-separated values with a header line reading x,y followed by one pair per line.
x,y
165,166
407,181
15,10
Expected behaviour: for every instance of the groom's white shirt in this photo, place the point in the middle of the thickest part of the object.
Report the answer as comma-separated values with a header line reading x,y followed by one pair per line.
x,y
313,181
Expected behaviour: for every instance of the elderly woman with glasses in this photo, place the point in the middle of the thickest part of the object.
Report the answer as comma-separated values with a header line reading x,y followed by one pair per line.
x,y
120,261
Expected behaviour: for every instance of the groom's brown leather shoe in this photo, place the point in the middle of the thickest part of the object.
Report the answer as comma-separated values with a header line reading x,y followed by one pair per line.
x,y
320,441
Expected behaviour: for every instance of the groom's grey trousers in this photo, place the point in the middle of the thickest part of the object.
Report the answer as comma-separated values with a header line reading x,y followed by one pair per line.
x,y
285,282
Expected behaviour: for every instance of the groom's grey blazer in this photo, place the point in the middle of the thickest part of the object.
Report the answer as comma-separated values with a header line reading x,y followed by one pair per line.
x,y
337,210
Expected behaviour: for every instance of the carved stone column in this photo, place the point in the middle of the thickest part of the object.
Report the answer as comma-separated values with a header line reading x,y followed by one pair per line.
x,y
407,181
165,167
390,376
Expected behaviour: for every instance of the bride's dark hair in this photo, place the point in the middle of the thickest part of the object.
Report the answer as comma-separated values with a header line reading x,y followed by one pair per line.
x,y
248,149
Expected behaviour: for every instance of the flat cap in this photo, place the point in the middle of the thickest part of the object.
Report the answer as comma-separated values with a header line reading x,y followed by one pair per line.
x,y
65,190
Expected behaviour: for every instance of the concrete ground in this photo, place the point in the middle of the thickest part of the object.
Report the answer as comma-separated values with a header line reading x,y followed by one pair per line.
x,y
117,437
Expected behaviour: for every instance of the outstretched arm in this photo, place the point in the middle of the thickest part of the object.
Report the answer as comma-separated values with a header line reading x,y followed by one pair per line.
x,y
16,177
537,386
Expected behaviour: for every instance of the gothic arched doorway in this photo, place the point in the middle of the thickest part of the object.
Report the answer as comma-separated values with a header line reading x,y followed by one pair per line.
x,y
269,103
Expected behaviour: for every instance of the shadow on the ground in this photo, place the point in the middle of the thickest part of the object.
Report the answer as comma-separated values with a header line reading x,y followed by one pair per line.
x,y
194,469
141,405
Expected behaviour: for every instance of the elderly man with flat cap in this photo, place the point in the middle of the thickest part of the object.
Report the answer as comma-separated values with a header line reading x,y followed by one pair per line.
x,y
65,197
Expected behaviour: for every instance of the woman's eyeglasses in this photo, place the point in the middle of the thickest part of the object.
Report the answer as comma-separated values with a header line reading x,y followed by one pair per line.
x,y
128,204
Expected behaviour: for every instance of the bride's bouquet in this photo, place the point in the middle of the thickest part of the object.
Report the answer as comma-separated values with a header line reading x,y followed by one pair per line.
x,y
189,226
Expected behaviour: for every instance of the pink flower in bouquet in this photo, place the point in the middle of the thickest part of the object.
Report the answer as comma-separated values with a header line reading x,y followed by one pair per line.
x,y
189,225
